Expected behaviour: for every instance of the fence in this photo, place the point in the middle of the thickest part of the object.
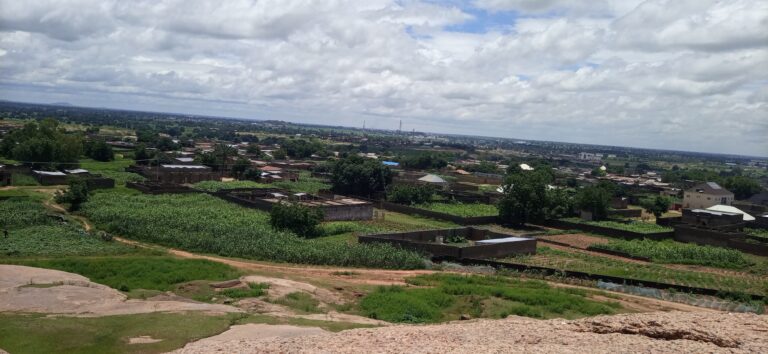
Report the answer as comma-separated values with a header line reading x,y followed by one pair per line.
x,y
607,231
719,238
593,277
159,188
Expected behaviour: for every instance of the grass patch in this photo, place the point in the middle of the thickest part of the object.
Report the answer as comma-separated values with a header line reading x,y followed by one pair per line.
x,y
138,272
332,326
300,301
214,186
109,334
461,209
253,290
669,251
18,179
113,169
444,297
632,225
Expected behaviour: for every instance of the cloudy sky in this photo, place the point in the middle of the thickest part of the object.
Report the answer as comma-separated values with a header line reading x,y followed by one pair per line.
x,y
677,74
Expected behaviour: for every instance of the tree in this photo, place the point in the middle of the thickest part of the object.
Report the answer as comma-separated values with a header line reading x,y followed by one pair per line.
x,y
42,144
300,219
594,200
99,150
142,155
355,175
656,206
241,165
253,149
280,154
410,194
76,194
525,198
252,174
743,187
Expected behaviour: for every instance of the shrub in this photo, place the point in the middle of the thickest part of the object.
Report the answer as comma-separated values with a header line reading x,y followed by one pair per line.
x,y
76,194
669,251
410,194
295,217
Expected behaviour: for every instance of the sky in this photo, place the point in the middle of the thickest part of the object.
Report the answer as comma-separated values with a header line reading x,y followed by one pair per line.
x,y
672,74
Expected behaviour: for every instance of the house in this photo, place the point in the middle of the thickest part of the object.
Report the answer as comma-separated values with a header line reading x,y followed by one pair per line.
x,y
587,156
433,180
50,178
705,195
5,176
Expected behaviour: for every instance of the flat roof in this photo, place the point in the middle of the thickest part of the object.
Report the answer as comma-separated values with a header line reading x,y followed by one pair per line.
x,y
502,240
50,173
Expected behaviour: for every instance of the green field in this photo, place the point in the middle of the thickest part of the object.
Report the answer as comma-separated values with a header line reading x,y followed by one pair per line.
x,y
445,297
112,169
213,186
633,226
207,224
669,251
580,262
34,231
461,209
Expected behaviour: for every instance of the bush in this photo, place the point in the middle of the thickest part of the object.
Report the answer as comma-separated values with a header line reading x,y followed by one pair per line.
x,y
76,194
594,200
410,194
669,251
300,219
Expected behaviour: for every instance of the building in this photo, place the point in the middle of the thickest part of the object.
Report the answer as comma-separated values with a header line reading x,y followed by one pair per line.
x,y
5,176
588,156
705,195
433,180
50,178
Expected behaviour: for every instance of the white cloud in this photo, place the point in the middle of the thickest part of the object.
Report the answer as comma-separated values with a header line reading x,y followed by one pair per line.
x,y
674,74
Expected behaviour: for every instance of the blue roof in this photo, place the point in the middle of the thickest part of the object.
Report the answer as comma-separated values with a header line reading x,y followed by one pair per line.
x,y
390,163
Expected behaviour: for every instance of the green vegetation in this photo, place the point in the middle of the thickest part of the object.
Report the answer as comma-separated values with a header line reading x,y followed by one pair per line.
x,y
214,186
33,231
98,150
461,209
580,262
204,223
669,251
138,272
527,198
410,194
75,195
300,301
760,233
444,297
18,179
114,169
595,200
297,218
109,334
253,290
358,176
633,226
42,144
305,184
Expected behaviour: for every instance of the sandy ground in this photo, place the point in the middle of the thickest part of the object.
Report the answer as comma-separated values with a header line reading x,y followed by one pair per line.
x,y
250,332
670,332
28,289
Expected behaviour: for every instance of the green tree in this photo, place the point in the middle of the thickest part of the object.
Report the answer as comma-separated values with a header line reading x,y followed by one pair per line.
x,y
295,217
656,206
355,175
280,154
742,187
410,194
252,174
76,194
595,200
99,150
525,198
42,144
240,166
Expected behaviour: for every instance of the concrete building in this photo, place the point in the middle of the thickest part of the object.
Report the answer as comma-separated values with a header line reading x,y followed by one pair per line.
x,y
588,156
705,195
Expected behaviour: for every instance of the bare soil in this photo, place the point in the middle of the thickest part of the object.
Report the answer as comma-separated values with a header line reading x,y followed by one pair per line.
x,y
670,332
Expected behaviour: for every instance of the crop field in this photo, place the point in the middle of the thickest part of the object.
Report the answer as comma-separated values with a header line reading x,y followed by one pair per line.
x,y
573,261
33,232
669,251
305,184
204,223
461,209
633,226
760,233
112,169
444,297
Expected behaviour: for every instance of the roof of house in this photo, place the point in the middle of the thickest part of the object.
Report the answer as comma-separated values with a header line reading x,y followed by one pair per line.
x,y
525,167
76,171
193,167
50,173
271,169
709,188
732,210
430,178
185,159
390,163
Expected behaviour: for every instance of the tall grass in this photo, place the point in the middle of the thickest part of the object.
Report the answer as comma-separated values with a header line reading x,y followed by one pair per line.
x,y
669,251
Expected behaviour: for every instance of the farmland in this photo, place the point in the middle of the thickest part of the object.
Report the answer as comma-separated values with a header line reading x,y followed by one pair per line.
x,y
465,210
34,232
207,224
444,297
580,262
669,251
631,225
112,169
214,186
